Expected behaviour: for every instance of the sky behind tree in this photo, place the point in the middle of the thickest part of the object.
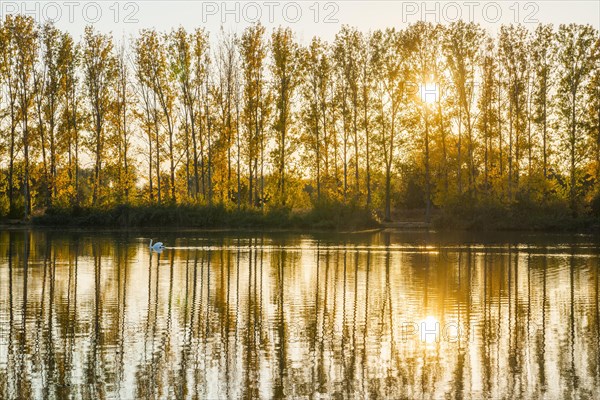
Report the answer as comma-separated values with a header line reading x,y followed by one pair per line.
x,y
307,18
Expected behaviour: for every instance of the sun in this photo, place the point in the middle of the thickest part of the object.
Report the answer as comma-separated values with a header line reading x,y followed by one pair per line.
x,y
429,92
429,329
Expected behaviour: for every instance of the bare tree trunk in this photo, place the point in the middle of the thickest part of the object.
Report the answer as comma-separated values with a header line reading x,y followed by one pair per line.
x,y
26,192
573,143
209,166
444,150
388,179
427,173
545,133
459,166
157,150
239,174
98,162
367,149
510,149
355,126
150,188
11,202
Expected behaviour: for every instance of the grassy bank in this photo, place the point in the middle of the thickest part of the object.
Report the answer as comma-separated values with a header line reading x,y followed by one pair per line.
x,y
487,215
471,215
327,216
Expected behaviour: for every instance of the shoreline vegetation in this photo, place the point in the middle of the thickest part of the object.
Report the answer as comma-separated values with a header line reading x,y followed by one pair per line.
x,y
260,129
324,217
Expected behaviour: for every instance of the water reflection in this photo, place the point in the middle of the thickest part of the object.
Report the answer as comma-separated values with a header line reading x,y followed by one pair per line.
x,y
382,315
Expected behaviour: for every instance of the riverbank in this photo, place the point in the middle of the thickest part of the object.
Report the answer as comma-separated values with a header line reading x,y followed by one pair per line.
x,y
495,216
323,217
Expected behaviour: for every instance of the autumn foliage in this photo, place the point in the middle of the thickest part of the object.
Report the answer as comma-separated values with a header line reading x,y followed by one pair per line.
x,y
437,117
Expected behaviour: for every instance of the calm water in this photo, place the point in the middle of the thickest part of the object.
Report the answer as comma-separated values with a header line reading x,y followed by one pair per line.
x,y
222,316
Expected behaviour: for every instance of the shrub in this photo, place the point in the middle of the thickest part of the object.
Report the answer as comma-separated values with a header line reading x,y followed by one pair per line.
x,y
328,215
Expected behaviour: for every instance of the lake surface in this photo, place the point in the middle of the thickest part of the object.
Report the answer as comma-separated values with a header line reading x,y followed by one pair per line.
x,y
221,316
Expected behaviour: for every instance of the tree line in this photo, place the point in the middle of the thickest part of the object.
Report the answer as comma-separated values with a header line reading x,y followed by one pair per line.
x,y
424,116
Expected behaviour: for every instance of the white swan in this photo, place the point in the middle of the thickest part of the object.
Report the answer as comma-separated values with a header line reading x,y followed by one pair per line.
x,y
158,246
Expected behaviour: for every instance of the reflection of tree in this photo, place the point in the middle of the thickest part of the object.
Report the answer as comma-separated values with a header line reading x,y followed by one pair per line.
x,y
280,345
541,351
166,353
50,351
147,384
10,362
93,387
404,369
347,380
39,328
122,270
321,368
571,372
250,388
277,317
364,364
596,343
24,388
486,326
70,321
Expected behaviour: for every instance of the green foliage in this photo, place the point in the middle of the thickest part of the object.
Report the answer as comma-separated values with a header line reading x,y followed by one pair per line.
x,y
172,129
325,216
328,214
595,206
553,214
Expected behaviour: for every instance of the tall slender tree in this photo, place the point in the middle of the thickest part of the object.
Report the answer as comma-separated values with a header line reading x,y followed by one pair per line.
x,y
99,71
285,73
8,74
68,64
391,51
24,34
543,58
487,104
316,69
514,54
463,53
423,36
122,134
575,62
256,108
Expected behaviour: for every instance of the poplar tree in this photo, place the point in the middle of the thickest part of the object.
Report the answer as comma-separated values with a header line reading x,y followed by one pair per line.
x,y
227,64
391,51
463,52
99,74
9,81
543,59
488,120
24,35
122,133
514,55
68,65
47,102
316,69
575,59
253,50
423,37
285,73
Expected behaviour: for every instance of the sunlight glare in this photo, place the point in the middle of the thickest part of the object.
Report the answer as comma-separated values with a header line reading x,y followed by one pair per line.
x,y
429,329
430,93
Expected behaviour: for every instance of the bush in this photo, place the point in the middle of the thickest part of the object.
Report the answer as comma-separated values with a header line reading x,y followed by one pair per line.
x,y
328,214
595,206
524,213
331,215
